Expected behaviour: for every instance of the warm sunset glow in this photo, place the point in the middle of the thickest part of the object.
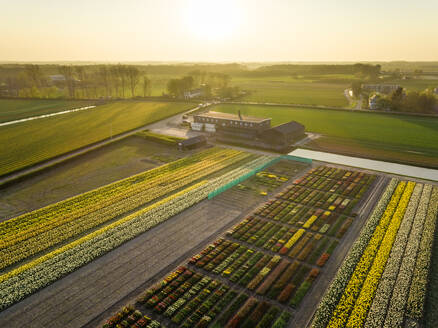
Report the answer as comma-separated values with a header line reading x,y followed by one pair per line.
x,y
212,20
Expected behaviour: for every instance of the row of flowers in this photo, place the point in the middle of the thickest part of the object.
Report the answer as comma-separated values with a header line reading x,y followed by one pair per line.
x,y
395,313
334,292
354,286
36,240
296,236
417,292
372,278
377,312
30,277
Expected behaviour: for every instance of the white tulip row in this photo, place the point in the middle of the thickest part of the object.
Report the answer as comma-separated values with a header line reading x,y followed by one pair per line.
x,y
417,293
395,314
377,313
24,283
334,292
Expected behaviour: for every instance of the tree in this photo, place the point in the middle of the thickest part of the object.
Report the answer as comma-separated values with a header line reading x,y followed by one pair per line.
x,y
177,87
67,72
82,76
122,71
396,99
104,78
115,78
356,86
34,74
146,86
133,75
173,86
187,83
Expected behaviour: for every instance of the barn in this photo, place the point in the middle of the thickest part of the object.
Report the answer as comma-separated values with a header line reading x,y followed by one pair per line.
x,y
192,143
285,134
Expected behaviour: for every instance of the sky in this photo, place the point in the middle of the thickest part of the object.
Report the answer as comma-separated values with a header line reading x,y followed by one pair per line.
x,y
218,31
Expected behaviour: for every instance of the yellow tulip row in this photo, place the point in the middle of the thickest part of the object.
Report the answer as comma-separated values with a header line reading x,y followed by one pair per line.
x,y
351,292
310,221
368,290
297,235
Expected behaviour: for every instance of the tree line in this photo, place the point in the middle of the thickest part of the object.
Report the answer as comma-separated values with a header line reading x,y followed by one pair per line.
x,y
210,83
76,82
412,101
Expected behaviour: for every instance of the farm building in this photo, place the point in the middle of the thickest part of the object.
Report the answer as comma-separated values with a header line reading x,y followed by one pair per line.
x,y
192,143
196,93
249,131
381,88
225,120
285,134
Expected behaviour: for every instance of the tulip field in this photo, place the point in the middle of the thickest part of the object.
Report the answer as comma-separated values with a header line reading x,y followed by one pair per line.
x,y
383,280
260,271
40,247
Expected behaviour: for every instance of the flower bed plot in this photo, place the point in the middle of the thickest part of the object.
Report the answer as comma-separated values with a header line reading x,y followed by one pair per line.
x,y
383,280
258,274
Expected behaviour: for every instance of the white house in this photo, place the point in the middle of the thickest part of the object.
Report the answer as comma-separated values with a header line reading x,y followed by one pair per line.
x,y
374,102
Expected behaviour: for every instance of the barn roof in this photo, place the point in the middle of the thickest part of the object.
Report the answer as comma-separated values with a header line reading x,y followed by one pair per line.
x,y
229,116
289,127
192,141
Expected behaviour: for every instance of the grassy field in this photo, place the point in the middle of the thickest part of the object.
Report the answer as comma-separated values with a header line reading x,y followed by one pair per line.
x,y
14,109
28,143
286,90
404,137
417,84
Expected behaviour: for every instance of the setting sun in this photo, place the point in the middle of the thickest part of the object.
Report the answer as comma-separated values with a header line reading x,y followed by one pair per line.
x,y
212,20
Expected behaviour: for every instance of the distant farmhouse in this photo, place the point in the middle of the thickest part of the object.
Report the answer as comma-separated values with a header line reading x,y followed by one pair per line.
x,y
196,93
381,88
373,102
249,131
57,78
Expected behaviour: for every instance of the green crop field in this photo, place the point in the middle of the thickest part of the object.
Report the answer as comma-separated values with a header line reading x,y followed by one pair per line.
x,y
30,142
316,91
404,136
14,109
418,84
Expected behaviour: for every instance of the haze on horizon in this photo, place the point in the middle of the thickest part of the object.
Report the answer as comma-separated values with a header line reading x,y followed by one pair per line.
x,y
224,30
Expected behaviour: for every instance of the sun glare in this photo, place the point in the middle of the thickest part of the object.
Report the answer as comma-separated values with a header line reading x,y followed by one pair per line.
x,y
212,20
